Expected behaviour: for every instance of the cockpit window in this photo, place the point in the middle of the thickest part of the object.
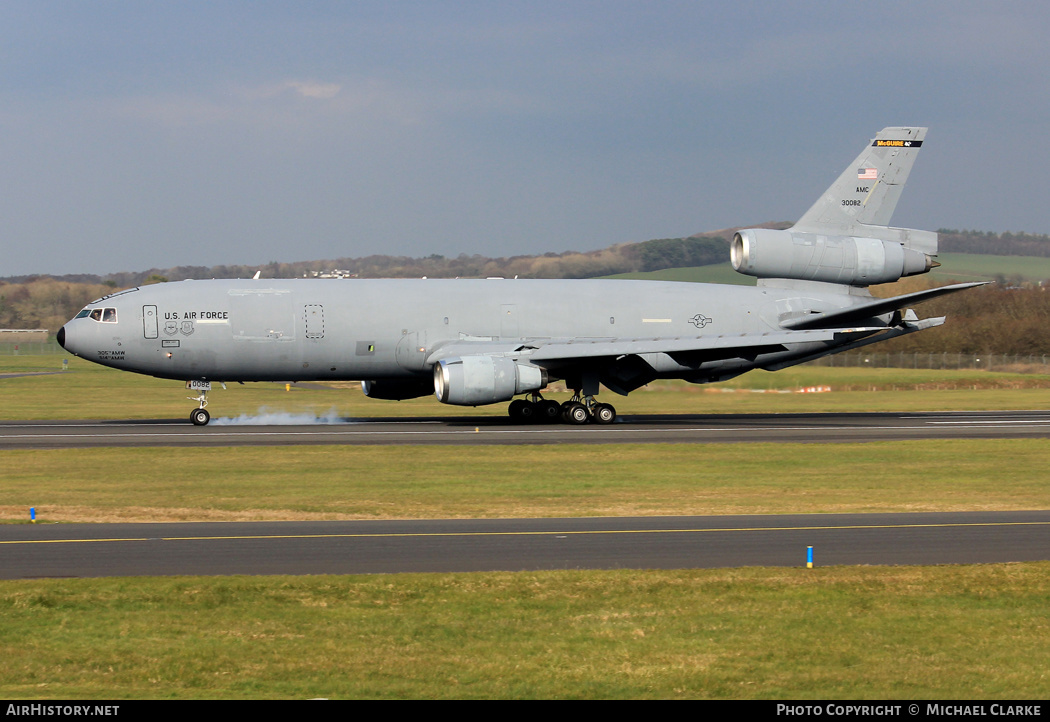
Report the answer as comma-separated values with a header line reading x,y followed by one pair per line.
x,y
105,315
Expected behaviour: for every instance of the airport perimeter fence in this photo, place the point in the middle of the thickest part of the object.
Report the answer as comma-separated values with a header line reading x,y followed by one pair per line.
x,y
1032,363
32,348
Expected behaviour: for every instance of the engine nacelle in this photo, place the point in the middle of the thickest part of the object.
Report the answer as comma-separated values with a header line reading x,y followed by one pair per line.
x,y
396,389
479,380
768,253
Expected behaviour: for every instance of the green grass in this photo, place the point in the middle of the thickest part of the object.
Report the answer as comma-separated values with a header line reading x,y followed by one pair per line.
x,y
827,633
981,267
89,391
831,633
355,482
246,483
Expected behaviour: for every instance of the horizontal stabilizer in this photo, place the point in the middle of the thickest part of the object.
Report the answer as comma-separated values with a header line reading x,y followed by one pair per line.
x,y
903,330
875,307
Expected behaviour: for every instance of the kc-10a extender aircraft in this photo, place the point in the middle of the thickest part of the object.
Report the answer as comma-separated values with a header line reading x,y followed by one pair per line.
x,y
481,341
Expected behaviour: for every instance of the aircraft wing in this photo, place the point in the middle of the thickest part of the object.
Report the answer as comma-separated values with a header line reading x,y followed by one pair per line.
x,y
727,346
551,351
875,307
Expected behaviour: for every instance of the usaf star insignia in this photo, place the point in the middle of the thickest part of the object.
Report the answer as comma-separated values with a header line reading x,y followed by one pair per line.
x,y
700,320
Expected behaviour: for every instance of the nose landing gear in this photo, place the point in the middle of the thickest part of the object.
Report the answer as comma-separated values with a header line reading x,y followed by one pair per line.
x,y
200,416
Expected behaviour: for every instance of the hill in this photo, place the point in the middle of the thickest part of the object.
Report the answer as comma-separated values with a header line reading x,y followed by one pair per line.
x,y
651,255
701,249
998,244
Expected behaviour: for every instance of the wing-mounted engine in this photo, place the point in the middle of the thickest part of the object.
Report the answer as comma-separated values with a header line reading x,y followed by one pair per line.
x,y
850,260
479,380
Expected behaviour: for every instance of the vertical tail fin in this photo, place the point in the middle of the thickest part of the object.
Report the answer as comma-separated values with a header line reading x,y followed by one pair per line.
x,y
867,192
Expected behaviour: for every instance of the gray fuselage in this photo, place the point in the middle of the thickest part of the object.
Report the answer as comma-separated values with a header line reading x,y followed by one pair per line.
x,y
339,329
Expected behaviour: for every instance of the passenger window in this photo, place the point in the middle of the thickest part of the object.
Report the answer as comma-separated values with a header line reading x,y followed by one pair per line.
x,y
109,315
96,314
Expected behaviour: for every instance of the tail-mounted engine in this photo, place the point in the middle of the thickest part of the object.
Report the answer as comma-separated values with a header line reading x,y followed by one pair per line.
x,y
768,253
479,380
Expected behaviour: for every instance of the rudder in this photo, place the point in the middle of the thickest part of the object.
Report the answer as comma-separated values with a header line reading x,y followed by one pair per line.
x,y
868,190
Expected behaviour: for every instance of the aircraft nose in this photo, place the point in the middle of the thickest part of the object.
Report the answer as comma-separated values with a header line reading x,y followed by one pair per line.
x,y
61,337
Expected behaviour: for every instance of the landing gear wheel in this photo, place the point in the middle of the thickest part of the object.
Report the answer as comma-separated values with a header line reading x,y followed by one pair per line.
x,y
548,411
604,414
200,417
520,410
575,413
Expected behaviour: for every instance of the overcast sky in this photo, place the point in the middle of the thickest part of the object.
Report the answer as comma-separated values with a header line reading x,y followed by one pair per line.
x,y
154,134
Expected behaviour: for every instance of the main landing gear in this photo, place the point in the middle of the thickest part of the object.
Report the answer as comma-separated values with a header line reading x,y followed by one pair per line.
x,y
537,409
578,410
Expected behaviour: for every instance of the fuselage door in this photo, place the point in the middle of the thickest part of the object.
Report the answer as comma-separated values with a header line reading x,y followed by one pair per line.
x,y
149,322
314,315
411,351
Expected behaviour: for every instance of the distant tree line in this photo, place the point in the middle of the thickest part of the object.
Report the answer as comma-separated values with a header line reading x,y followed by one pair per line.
x,y
50,301
989,319
45,302
994,244
654,255
623,258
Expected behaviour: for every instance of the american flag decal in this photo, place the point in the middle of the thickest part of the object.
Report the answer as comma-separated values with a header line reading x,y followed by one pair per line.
x,y
867,173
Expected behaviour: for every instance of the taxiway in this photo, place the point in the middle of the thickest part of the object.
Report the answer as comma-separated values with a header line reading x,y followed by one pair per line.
x,y
467,545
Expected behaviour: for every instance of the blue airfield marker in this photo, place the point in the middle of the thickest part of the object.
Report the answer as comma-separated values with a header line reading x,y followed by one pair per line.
x,y
809,557
32,514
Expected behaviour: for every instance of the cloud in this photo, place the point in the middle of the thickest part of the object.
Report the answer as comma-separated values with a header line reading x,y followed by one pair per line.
x,y
313,89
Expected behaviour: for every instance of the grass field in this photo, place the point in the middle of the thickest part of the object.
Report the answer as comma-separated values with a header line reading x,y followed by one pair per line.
x,y
948,632
88,391
354,482
838,633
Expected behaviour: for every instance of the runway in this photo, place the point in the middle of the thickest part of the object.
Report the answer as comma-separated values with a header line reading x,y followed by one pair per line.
x,y
488,430
369,547
492,430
